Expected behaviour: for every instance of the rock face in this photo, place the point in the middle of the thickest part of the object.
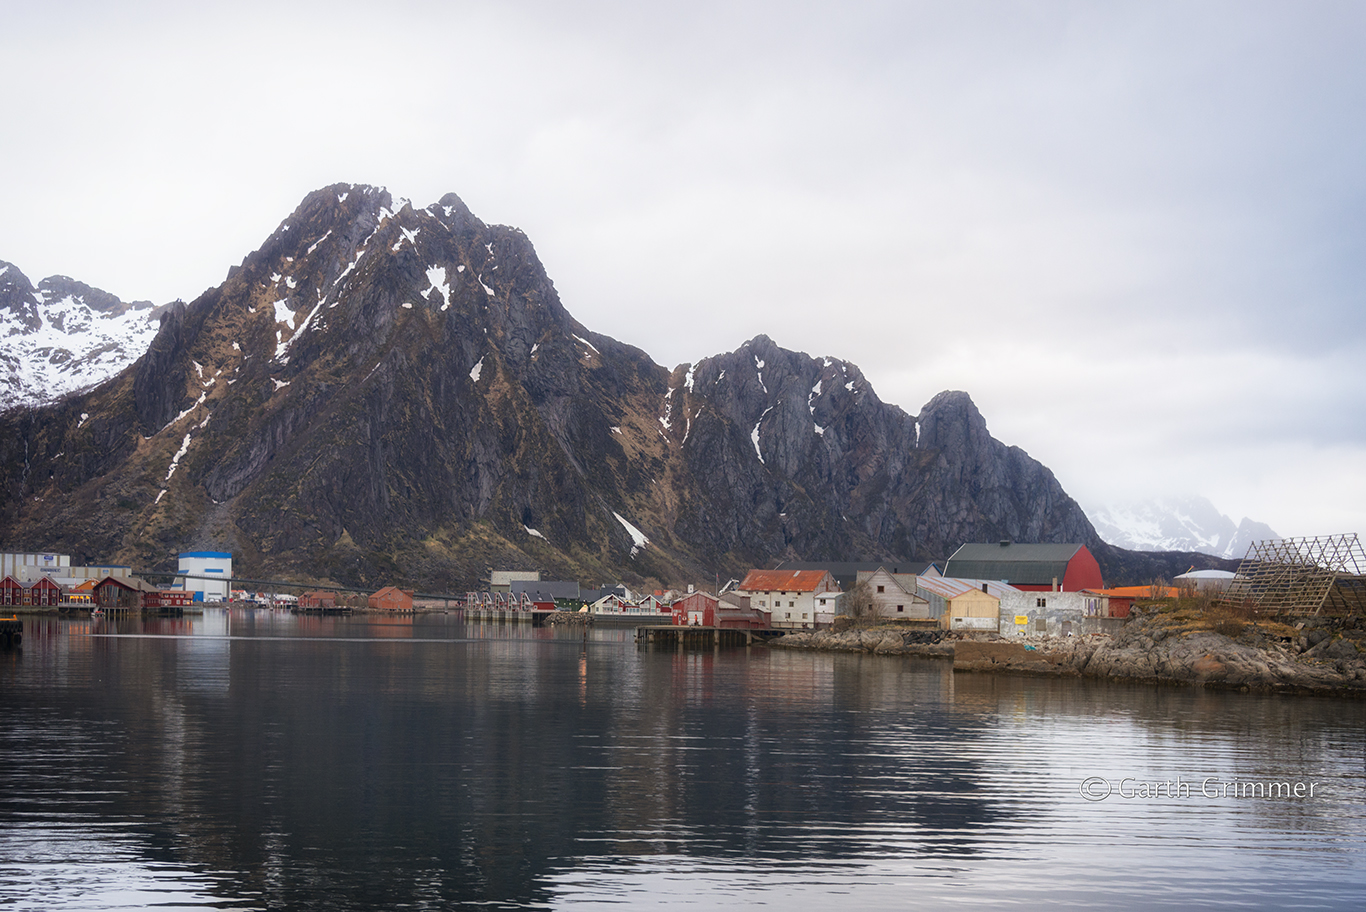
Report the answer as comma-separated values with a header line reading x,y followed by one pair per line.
x,y
1145,650
388,394
64,336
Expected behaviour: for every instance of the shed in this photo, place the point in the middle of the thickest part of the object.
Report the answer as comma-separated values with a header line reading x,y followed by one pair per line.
x,y
964,604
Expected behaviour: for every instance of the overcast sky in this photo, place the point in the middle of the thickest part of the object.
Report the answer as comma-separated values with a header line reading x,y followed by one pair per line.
x,y
1133,232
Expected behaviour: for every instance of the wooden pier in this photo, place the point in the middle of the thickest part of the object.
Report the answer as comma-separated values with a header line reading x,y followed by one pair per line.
x,y
507,615
11,631
678,635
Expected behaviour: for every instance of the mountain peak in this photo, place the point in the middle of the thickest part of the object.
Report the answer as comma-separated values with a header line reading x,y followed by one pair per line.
x,y
382,393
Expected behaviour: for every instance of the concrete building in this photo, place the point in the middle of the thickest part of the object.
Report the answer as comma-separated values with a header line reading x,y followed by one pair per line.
x,y
28,567
1056,614
207,564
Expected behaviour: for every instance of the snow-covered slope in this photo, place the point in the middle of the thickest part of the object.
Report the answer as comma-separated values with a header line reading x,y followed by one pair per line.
x,y
1187,523
64,336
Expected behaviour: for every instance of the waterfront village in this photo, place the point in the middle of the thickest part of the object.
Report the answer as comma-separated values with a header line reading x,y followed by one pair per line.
x,y
1006,588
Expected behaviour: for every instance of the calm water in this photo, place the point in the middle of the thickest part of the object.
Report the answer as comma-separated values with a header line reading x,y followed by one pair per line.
x,y
256,760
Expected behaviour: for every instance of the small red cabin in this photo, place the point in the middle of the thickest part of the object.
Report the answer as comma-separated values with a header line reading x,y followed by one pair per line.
x,y
12,591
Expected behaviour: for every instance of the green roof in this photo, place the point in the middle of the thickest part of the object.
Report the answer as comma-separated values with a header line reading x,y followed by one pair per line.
x,y
1029,565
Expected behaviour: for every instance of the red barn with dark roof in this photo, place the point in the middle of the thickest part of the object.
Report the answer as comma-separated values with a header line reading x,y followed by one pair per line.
x,y
1032,568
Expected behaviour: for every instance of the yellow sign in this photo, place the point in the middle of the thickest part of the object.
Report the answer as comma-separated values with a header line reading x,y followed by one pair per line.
x,y
1022,619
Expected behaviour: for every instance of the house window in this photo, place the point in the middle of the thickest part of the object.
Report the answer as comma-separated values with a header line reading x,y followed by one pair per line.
x,y
792,604
1041,603
881,588
761,603
803,615
900,607
787,614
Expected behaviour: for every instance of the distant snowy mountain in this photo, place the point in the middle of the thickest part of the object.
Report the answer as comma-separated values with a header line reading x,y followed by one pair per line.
x,y
65,336
1177,524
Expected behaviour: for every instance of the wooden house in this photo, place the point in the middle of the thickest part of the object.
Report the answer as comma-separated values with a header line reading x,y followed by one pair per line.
x,y
46,593
318,599
893,595
701,609
12,592
122,593
391,598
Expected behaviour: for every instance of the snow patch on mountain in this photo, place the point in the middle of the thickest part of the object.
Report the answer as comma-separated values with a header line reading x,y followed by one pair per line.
x,y
1185,523
65,336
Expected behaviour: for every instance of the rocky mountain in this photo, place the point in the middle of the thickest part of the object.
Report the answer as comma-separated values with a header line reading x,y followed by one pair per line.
x,y
64,336
390,394
1188,523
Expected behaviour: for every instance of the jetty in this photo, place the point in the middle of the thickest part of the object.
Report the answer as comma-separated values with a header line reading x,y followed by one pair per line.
x,y
11,631
534,616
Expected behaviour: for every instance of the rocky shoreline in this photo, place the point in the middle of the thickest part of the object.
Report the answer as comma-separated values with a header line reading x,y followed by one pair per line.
x,y
1321,658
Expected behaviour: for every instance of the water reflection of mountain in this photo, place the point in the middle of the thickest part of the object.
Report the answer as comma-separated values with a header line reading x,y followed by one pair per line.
x,y
353,769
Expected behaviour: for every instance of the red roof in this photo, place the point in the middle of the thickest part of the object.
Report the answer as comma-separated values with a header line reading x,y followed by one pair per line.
x,y
783,580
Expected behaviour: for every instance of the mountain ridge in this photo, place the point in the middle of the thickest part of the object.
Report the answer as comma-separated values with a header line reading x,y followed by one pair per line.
x,y
382,393
62,336
1185,523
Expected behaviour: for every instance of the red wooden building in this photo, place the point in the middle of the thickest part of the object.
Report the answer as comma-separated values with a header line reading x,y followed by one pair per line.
x,y
318,599
701,609
392,598
125,593
45,592
167,598
42,592
1031,568
12,591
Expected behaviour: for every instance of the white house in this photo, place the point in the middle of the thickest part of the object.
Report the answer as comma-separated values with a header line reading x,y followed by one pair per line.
x,y
789,596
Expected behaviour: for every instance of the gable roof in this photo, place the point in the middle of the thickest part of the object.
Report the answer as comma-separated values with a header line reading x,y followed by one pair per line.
x,y
906,582
951,587
1029,564
846,572
782,580
131,583
546,590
